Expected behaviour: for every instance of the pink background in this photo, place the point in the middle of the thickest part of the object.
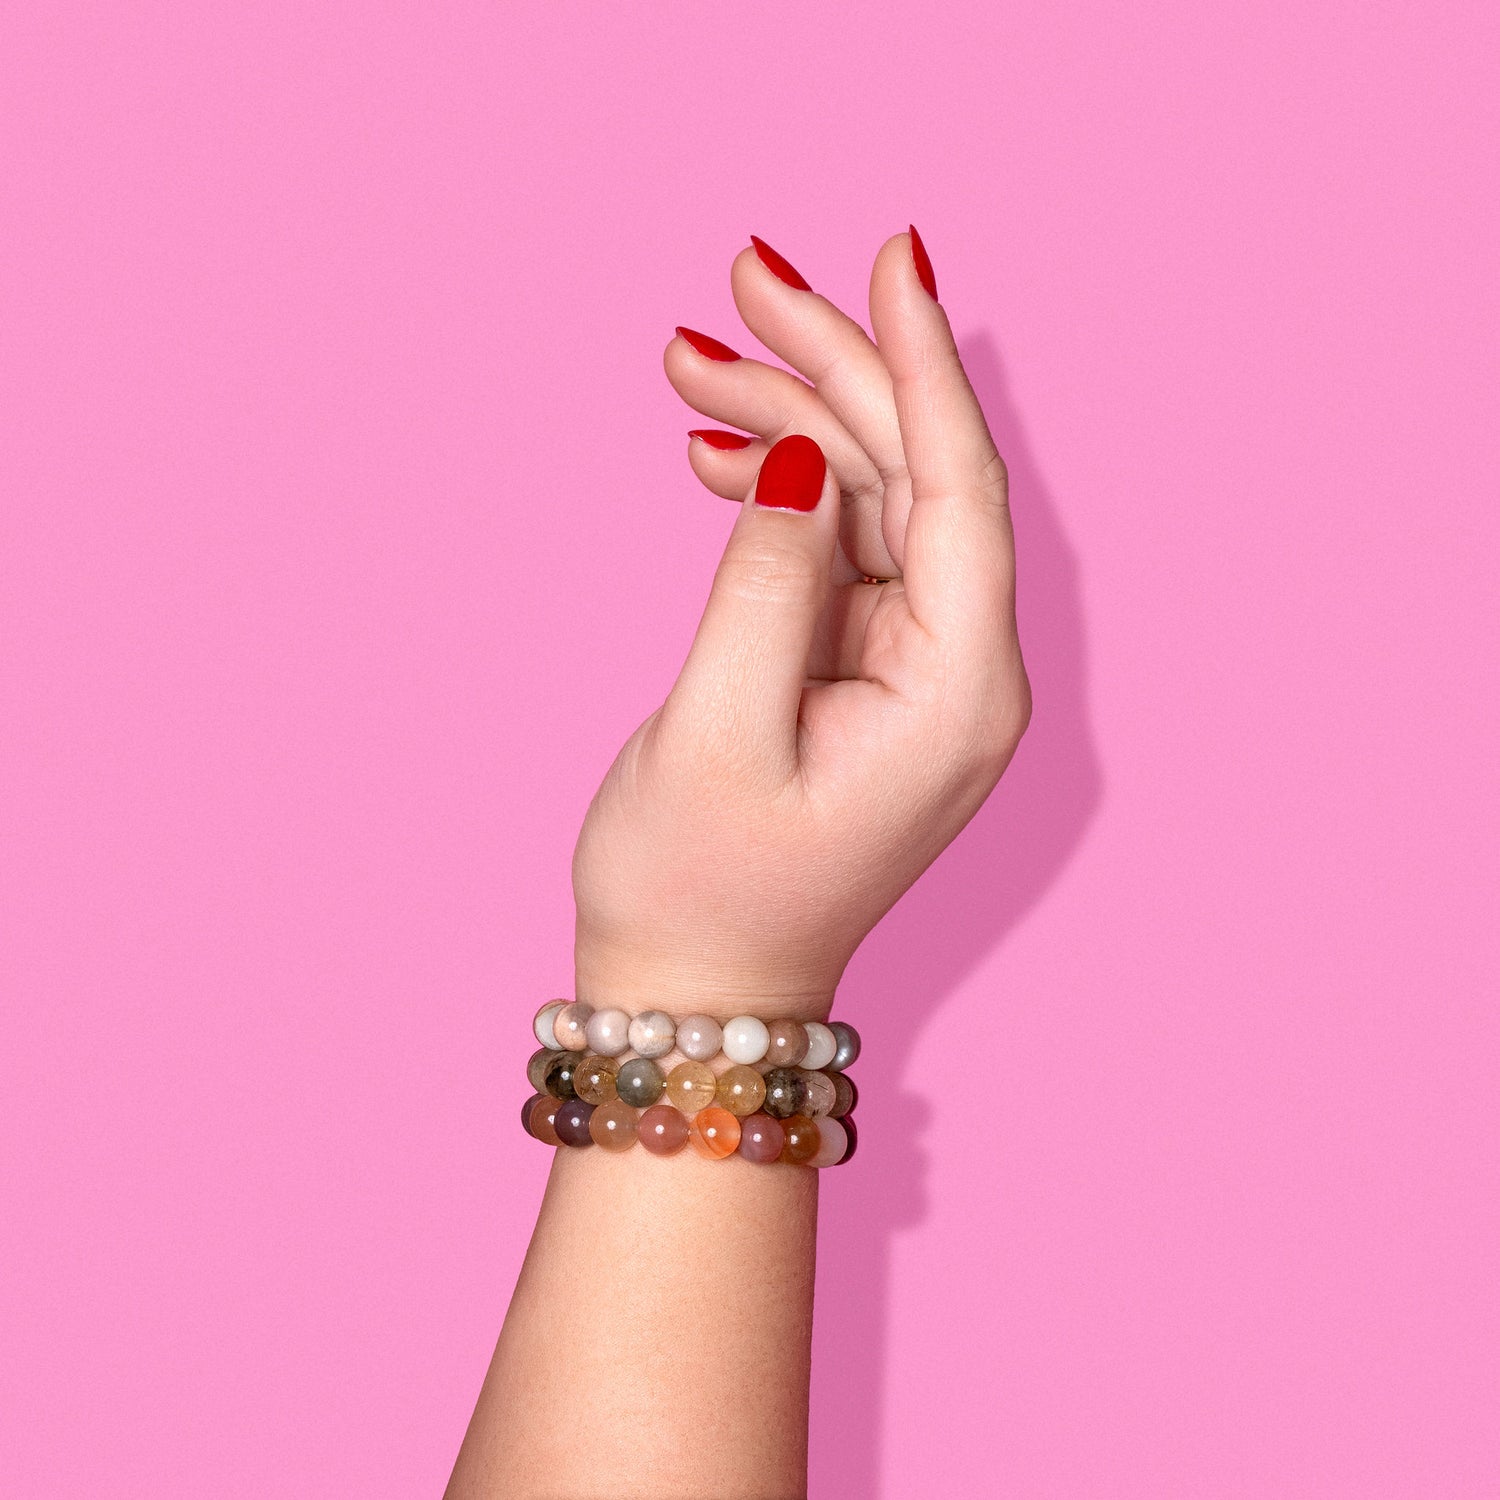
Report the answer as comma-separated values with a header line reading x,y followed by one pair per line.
x,y
346,532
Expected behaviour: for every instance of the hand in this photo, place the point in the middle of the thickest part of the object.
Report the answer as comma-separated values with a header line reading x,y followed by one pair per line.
x,y
827,737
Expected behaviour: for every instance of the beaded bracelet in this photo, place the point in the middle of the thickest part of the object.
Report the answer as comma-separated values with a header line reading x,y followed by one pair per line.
x,y
575,1026
784,1096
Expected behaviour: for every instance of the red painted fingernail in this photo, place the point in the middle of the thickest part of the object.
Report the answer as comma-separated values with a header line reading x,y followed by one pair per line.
x,y
779,264
717,438
791,478
922,263
712,348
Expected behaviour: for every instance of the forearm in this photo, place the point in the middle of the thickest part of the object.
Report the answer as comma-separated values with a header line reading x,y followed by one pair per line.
x,y
658,1342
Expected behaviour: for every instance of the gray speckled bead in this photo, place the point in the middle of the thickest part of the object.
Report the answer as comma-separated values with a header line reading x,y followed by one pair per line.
x,y
786,1093
699,1037
653,1033
640,1082
848,1048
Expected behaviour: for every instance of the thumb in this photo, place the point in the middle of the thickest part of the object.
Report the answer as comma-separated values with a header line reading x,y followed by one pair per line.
x,y
742,682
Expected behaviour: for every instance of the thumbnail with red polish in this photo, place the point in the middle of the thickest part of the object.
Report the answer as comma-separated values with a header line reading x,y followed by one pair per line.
x,y
921,261
717,438
779,265
711,348
791,478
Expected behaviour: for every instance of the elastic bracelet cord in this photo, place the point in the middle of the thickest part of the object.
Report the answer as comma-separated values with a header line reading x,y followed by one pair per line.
x,y
783,1097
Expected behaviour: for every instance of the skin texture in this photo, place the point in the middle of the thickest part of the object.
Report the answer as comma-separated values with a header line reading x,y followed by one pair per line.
x,y
824,741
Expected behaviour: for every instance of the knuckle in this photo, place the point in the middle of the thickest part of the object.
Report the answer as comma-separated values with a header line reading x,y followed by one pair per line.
x,y
767,574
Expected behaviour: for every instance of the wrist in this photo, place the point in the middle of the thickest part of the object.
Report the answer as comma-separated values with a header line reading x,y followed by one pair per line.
x,y
640,979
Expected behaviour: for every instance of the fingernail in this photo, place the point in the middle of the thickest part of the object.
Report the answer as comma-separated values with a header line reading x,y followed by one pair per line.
x,y
717,438
712,348
778,264
922,263
791,478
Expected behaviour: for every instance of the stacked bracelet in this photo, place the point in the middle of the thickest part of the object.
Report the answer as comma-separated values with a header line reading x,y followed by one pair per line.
x,y
782,1097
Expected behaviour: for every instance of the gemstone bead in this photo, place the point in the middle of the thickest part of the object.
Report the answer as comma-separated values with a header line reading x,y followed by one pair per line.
x,y
691,1085
853,1134
833,1141
608,1032
741,1090
614,1125
558,1079
526,1110
745,1039
761,1138
639,1081
663,1130
543,1113
787,1045
542,1025
571,1122
822,1093
698,1037
594,1078
536,1067
801,1143
846,1096
786,1094
653,1033
848,1048
821,1045
570,1026
714,1133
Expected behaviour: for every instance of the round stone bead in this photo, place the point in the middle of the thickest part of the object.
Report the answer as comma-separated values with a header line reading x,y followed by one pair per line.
x,y
822,1093
570,1026
853,1134
846,1096
663,1130
526,1110
741,1090
614,1125
691,1085
594,1078
698,1037
653,1033
542,1025
801,1143
608,1032
848,1048
761,1138
571,1122
833,1141
714,1133
639,1081
786,1094
536,1067
558,1079
543,1113
746,1039
821,1044
787,1045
